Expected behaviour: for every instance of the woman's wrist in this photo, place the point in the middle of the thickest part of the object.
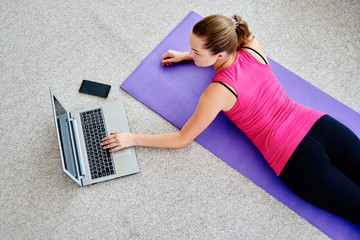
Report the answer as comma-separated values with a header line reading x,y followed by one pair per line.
x,y
133,141
186,56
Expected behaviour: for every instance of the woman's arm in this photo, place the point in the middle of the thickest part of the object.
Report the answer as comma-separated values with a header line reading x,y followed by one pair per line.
x,y
172,56
211,102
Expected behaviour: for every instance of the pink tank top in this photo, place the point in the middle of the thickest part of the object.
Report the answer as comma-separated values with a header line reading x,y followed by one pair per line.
x,y
264,112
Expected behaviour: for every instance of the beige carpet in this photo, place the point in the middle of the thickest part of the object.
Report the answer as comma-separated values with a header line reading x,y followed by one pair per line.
x,y
179,194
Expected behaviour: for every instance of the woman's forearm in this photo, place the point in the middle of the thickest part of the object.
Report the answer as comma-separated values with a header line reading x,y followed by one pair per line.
x,y
187,56
166,140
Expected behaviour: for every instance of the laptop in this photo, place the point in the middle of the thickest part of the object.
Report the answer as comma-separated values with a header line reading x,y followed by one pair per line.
x,y
79,135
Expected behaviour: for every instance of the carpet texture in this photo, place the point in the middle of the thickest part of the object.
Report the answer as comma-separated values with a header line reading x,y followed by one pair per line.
x,y
56,44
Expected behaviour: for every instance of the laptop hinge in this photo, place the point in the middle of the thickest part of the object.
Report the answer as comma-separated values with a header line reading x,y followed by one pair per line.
x,y
77,149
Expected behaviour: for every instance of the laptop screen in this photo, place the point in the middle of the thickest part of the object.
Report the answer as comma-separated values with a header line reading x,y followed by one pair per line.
x,y
63,131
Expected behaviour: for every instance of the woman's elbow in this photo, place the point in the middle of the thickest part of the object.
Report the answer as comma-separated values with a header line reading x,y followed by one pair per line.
x,y
184,142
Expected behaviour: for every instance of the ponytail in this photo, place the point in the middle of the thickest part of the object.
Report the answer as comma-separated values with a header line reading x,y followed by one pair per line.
x,y
242,30
222,34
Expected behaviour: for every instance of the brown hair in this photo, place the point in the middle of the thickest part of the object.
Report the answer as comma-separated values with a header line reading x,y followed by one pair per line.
x,y
222,34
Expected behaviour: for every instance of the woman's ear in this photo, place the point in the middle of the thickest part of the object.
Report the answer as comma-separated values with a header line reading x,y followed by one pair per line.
x,y
221,55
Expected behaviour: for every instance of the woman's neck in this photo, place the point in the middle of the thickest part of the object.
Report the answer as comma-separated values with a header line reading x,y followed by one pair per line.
x,y
224,63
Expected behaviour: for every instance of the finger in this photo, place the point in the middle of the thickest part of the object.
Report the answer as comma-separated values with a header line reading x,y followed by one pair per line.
x,y
167,60
109,137
107,142
110,145
115,149
165,56
163,63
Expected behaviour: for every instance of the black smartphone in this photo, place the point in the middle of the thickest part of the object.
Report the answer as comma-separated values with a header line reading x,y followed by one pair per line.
x,y
95,88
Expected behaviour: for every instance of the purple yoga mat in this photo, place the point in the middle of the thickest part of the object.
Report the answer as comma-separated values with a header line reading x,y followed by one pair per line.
x,y
173,92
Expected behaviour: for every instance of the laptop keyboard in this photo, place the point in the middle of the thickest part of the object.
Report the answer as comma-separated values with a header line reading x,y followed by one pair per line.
x,y
100,161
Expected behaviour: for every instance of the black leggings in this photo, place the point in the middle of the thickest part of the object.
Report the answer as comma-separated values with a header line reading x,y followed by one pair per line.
x,y
325,169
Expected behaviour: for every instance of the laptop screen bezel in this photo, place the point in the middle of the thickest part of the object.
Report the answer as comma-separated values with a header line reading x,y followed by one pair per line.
x,y
74,178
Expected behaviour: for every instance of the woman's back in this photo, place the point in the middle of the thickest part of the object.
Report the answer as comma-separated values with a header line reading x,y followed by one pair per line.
x,y
263,111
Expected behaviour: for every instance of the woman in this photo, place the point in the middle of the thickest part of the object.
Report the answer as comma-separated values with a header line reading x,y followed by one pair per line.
x,y
316,156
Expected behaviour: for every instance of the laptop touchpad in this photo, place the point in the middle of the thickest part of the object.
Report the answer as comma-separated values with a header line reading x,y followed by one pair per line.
x,y
122,152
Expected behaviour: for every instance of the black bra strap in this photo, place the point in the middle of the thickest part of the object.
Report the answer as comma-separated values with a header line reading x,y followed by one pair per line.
x,y
257,53
227,88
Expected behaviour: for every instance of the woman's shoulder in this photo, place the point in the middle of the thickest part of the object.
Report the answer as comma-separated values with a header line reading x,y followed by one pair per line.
x,y
254,43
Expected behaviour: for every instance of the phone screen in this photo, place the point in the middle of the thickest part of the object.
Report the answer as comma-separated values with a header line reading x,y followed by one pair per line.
x,y
95,88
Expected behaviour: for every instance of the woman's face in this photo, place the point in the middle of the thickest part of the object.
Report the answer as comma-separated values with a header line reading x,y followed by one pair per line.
x,y
202,57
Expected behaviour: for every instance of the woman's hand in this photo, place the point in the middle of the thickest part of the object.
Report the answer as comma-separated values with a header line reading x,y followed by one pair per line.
x,y
116,141
172,56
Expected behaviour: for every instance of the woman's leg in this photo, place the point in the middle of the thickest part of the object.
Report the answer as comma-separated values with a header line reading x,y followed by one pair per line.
x,y
317,178
342,145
